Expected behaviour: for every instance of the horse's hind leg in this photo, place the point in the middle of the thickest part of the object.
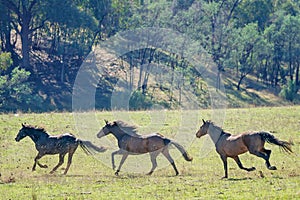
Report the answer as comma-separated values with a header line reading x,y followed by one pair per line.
x,y
239,163
265,154
153,156
268,152
70,156
166,153
61,161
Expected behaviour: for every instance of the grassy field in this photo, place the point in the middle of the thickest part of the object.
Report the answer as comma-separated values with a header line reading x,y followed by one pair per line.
x,y
92,178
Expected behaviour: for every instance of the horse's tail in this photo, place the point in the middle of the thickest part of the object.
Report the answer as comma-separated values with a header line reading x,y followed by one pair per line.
x,y
87,146
185,154
286,146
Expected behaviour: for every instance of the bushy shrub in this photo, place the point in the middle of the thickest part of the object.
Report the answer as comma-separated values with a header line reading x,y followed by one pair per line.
x,y
139,101
289,91
5,60
16,92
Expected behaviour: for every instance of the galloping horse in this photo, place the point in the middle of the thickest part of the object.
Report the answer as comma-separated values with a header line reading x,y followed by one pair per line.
x,y
130,143
60,144
228,145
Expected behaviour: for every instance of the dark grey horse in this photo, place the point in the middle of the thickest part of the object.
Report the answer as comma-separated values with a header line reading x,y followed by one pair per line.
x,y
59,144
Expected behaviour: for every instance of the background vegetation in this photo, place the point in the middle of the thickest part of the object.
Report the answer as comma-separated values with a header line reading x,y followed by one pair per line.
x,y
254,43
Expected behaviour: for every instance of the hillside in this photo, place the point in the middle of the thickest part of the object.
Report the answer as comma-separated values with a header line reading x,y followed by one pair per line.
x,y
252,93
50,40
57,95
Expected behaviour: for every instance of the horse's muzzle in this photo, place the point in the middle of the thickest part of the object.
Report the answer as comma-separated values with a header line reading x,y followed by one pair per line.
x,y
100,134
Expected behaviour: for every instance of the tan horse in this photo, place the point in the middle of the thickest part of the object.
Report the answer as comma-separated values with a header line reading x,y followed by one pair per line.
x,y
228,145
131,143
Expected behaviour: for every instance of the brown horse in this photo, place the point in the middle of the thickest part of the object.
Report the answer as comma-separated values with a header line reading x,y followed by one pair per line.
x,y
130,143
228,145
60,144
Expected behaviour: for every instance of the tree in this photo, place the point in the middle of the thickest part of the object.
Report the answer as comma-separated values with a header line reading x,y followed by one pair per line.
x,y
245,50
254,11
7,38
290,30
26,18
217,25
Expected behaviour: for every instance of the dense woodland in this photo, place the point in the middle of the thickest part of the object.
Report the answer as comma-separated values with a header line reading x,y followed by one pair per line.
x,y
43,44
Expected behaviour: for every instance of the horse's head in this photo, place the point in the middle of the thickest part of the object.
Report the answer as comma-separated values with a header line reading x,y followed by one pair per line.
x,y
22,133
203,129
106,129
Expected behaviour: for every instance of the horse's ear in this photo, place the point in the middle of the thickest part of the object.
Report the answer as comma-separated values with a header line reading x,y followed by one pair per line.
x,y
106,122
203,121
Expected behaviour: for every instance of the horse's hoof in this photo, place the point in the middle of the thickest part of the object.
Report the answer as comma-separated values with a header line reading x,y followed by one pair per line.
x,y
252,169
150,173
44,166
272,168
224,177
117,173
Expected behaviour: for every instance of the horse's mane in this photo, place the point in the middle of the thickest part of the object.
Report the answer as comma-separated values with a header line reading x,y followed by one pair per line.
x,y
40,129
215,126
127,128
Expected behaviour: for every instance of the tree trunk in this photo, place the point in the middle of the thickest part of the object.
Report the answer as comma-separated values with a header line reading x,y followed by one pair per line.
x,y
297,75
240,81
25,39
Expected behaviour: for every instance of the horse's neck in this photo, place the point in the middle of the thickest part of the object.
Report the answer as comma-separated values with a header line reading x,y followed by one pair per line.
x,y
37,135
215,134
119,133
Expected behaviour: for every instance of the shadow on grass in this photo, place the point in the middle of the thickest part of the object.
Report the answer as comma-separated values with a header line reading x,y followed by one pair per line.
x,y
238,179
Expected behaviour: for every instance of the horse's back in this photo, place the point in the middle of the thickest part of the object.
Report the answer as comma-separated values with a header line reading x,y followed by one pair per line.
x,y
143,143
153,135
58,143
253,140
231,145
66,136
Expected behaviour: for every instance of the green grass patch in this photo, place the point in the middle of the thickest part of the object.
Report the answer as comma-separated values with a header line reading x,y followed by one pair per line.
x,y
90,178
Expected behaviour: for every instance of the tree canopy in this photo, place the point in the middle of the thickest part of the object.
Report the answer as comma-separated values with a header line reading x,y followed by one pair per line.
x,y
48,40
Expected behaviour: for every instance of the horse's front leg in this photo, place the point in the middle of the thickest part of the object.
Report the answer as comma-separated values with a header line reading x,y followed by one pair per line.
x,y
124,157
36,161
239,163
113,157
224,159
